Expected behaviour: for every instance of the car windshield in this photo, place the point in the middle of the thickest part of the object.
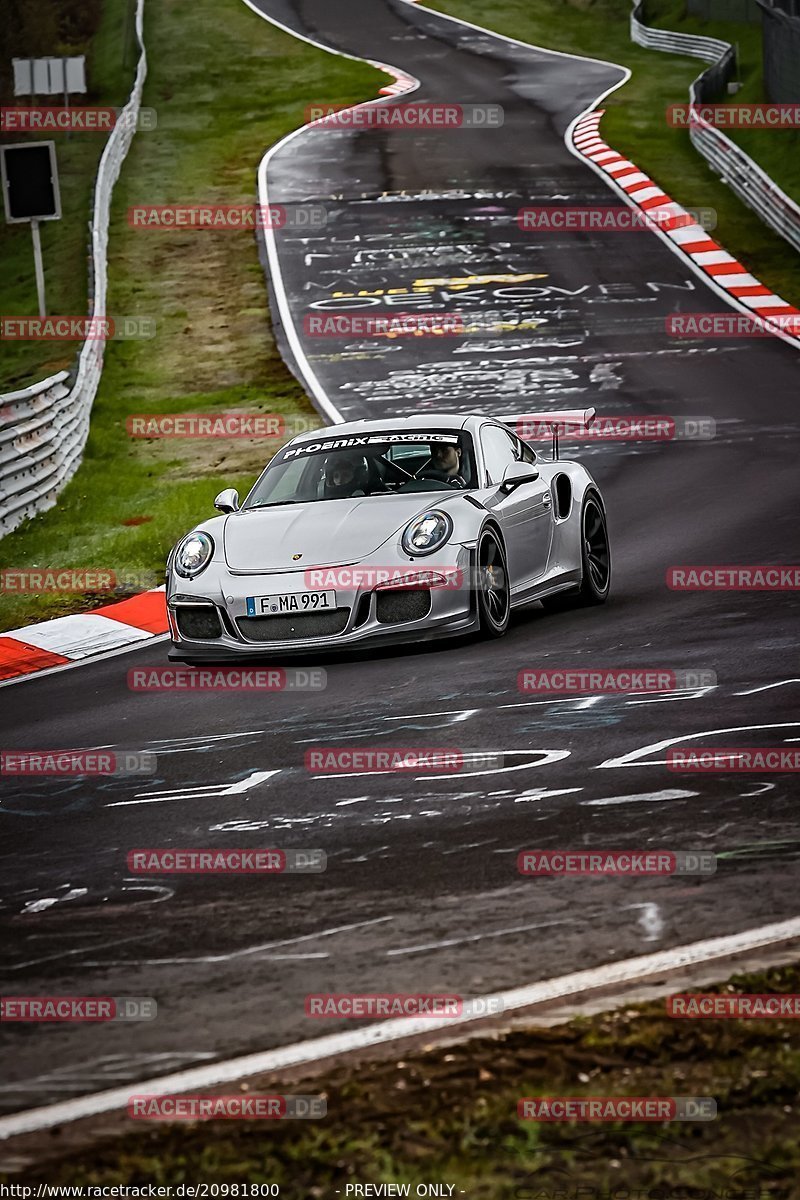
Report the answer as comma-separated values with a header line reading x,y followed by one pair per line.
x,y
372,464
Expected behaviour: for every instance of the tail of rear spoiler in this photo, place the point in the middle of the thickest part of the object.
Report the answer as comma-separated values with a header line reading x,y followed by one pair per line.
x,y
534,426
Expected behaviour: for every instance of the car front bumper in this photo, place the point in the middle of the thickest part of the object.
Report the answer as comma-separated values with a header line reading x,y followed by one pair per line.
x,y
364,613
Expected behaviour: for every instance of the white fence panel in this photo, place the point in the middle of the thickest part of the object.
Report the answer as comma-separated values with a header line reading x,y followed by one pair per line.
x,y
43,428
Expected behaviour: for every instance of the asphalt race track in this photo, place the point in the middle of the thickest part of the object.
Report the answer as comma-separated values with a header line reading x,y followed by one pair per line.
x,y
421,891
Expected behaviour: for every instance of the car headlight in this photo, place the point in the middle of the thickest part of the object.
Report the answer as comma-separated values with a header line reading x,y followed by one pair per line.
x,y
426,533
193,555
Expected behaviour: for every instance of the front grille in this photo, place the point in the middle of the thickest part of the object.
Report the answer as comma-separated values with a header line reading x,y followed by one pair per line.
x,y
402,605
288,628
200,622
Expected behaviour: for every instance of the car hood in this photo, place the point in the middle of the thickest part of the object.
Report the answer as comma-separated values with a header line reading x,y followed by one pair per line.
x,y
322,533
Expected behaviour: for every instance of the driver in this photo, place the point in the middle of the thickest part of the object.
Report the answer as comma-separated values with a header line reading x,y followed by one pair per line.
x,y
446,463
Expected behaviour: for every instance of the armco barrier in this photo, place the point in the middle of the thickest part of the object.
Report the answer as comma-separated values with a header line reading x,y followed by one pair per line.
x,y
742,175
43,428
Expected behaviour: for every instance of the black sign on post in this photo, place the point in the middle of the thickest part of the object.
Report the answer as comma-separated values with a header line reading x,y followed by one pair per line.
x,y
30,182
30,193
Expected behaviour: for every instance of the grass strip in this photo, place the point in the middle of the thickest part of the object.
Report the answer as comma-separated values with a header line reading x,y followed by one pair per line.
x,y
448,1116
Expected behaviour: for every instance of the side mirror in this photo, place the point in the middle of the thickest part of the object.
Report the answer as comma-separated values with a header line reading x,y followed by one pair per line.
x,y
227,501
518,473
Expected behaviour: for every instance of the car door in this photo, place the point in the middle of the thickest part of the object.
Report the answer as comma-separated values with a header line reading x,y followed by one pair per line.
x,y
524,513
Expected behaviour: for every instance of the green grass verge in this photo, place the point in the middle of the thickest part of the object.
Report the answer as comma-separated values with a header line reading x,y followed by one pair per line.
x,y
449,1116
776,151
226,85
635,117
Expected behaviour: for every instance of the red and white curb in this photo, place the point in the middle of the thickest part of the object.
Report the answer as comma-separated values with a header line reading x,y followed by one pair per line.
x,y
66,640
402,83
726,275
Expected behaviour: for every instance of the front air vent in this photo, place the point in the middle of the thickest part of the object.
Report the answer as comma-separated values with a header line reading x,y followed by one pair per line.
x,y
403,604
198,622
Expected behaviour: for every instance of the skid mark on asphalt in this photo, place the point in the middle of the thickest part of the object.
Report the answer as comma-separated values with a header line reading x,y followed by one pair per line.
x,y
72,1080
260,950
48,958
425,947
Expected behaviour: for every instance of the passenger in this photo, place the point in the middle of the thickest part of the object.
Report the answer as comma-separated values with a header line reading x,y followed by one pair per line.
x,y
342,478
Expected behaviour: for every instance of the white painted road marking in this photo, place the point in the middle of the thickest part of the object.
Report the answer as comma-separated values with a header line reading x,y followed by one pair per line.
x,y
633,758
643,797
202,791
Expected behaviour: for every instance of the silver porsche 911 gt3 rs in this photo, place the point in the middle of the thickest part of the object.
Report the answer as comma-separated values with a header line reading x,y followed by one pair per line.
x,y
390,530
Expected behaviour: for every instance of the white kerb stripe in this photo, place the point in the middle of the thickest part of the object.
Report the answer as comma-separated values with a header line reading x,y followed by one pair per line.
x,y
645,193
80,635
737,280
763,302
625,181
707,258
687,233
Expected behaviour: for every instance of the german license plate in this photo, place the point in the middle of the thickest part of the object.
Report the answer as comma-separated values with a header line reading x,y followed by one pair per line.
x,y
292,602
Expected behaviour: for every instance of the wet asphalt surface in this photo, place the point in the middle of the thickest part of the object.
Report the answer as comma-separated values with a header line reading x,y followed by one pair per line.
x,y
421,891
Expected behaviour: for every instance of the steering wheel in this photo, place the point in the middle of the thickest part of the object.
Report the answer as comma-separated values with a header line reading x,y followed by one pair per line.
x,y
442,477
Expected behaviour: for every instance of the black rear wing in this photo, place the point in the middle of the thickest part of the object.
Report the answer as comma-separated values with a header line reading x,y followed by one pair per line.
x,y
532,427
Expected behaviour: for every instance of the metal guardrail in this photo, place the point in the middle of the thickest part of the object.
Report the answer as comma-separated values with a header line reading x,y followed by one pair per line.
x,y
43,428
737,169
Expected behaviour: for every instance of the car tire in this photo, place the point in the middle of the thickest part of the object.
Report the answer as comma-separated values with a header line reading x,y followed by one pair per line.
x,y
595,561
492,586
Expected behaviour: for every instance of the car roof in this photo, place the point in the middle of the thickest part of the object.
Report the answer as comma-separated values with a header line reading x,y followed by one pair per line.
x,y
390,424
